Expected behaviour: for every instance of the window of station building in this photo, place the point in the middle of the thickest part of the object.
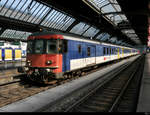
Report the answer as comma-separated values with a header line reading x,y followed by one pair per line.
x,y
88,51
79,48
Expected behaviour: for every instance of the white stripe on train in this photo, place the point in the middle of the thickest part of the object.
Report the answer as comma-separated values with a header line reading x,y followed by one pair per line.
x,y
83,62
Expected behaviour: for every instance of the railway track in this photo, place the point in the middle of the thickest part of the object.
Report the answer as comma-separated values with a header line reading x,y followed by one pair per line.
x,y
23,88
120,94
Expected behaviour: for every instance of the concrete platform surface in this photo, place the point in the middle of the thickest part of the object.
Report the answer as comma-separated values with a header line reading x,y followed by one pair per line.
x,y
40,100
11,65
144,97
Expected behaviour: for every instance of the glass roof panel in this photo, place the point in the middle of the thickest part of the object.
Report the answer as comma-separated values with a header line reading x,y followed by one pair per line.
x,y
113,39
99,3
15,34
100,35
34,12
67,23
126,31
79,28
57,20
91,32
105,37
110,8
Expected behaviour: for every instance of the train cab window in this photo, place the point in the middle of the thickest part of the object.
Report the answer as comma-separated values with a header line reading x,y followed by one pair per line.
x,y
39,46
79,48
88,51
60,46
30,47
52,46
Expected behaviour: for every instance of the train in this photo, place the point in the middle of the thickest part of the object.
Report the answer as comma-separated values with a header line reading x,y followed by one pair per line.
x,y
52,55
11,52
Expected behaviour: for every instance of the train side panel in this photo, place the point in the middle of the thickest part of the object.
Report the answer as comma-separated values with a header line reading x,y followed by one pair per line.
x,y
82,54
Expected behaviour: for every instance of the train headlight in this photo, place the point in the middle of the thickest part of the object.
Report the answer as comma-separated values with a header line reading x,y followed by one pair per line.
x,y
26,69
48,70
28,63
49,62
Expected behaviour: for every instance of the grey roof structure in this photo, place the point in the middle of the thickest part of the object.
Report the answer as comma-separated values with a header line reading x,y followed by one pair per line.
x,y
40,14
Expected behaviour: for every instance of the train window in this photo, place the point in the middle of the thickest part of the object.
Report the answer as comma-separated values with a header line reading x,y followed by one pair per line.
x,y
30,47
112,51
107,50
60,46
65,46
39,46
51,46
104,52
116,50
88,51
79,48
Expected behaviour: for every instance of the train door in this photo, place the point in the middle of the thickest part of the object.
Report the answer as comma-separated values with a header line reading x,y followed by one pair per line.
x,y
122,52
65,56
0,54
90,55
110,53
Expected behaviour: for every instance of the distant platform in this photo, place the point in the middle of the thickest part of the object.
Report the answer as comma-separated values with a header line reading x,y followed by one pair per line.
x,y
144,98
11,65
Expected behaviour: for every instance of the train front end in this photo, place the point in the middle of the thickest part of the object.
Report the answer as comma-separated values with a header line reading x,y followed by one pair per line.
x,y
44,58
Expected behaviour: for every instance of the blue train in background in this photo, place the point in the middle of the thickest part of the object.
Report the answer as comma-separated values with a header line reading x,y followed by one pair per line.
x,y
11,51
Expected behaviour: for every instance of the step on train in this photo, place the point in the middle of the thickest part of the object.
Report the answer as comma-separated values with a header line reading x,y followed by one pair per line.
x,y
57,56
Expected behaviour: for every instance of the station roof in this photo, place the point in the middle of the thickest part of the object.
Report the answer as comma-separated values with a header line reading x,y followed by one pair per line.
x,y
106,20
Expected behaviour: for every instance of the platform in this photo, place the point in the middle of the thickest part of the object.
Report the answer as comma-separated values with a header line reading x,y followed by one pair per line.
x,y
8,70
144,97
11,65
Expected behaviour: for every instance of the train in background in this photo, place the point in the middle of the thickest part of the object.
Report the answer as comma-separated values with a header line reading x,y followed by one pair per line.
x,y
58,56
12,51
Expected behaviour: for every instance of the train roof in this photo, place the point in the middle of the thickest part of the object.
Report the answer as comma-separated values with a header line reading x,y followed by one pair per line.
x,y
75,37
